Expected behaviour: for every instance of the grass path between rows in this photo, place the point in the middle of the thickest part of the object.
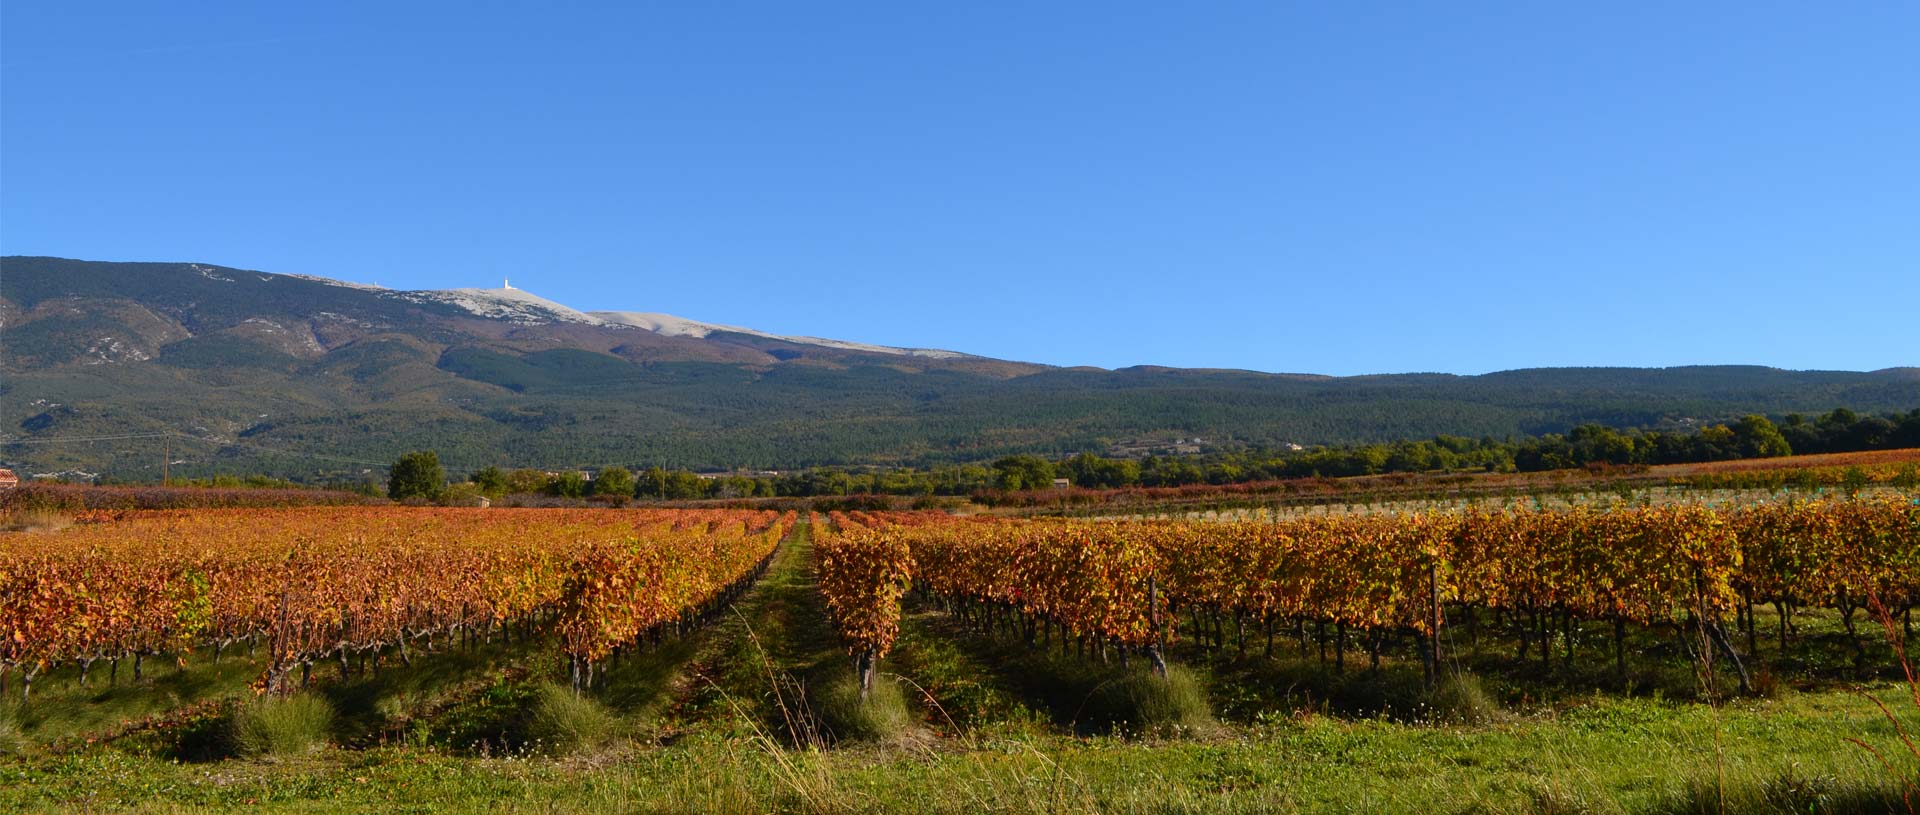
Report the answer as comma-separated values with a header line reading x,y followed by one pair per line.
x,y
777,664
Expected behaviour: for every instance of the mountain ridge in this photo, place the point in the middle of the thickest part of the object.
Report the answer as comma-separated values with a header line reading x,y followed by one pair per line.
x,y
324,369
524,307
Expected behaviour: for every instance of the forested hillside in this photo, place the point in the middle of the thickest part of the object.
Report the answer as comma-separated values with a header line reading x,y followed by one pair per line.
x,y
111,367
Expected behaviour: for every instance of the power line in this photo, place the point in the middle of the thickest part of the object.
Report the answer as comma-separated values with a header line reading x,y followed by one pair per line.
x,y
297,455
220,444
191,437
66,439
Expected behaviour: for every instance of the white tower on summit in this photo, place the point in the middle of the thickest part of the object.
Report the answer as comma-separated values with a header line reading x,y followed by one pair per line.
x,y
506,283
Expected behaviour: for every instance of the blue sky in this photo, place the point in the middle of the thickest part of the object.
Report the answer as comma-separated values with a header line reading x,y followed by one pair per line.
x,y
1333,188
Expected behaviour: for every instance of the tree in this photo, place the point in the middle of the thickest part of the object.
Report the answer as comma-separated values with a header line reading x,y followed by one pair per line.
x,y
616,481
1907,432
685,486
568,484
651,483
526,481
492,481
1023,473
1758,438
1716,443
734,486
1593,442
417,475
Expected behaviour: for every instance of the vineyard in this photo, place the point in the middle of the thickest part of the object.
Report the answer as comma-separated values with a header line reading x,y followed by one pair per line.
x,y
1134,587
1886,471
720,659
336,584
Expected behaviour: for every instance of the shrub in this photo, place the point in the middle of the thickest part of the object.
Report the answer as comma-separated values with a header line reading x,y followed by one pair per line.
x,y
36,520
844,716
1135,700
564,722
463,494
1459,698
1143,701
281,727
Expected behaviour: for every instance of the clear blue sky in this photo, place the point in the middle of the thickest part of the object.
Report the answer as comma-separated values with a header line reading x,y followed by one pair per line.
x,y
1326,187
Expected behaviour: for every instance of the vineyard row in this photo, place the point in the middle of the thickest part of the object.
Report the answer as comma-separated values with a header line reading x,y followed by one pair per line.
x,y
1128,583
328,583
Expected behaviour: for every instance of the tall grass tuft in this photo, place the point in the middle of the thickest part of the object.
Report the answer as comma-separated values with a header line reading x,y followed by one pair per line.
x,y
804,779
1553,799
13,742
1908,778
1140,701
281,727
35,520
1788,792
1459,698
564,722
847,717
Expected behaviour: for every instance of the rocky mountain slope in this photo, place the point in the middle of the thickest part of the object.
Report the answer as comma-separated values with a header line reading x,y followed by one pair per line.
x,y
108,367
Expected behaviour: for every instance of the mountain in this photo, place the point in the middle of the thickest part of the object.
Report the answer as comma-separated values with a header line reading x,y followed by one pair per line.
x,y
109,367
524,308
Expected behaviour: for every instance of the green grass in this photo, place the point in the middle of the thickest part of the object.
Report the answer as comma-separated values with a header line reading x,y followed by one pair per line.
x,y
1610,756
62,712
13,742
1245,686
964,693
1080,694
1172,705
783,670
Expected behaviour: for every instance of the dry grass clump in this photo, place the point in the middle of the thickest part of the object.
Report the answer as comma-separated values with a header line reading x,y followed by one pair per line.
x,y
564,722
35,520
1459,698
281,727
845,716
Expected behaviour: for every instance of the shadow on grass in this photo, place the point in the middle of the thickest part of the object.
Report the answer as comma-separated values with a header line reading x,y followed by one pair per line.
x,y
404,702
1658,664
62,713
1076,693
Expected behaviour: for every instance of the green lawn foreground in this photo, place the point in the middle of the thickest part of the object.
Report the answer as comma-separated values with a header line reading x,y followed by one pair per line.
x,y
1611,756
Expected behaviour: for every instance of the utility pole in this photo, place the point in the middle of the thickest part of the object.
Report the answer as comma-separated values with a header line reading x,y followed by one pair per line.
x,y
166,461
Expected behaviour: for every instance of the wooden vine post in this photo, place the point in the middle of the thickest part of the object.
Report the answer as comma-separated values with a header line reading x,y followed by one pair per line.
x,y
1154,654
1433,622
864,664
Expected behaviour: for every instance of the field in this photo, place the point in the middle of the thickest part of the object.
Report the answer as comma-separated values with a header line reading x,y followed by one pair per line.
x,y
1895,470
1370,505
1644,658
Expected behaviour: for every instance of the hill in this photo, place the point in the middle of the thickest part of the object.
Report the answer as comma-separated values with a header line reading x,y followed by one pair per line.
x,y
236,370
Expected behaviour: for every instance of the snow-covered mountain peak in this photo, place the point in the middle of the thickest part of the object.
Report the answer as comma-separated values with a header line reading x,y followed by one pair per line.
x,y
344,283
523,307
671,326
514,305
667,324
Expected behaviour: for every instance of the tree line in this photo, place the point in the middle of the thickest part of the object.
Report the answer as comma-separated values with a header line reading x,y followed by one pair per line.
x,y
1752,436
